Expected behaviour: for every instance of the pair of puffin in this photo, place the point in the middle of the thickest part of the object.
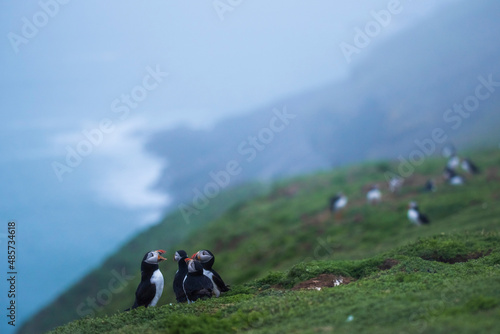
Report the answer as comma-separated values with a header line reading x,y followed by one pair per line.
x,y
196,279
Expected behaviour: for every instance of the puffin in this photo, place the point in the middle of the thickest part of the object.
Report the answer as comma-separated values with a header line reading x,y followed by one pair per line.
x,y
207,260
430,186
395,184
374,196
453,162
195,284
468,166
452,177
337,203
180,256
415,216
151,286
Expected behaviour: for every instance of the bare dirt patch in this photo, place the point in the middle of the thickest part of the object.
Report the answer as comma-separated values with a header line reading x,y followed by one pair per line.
x,y
492,174
323,281
462,258
388,264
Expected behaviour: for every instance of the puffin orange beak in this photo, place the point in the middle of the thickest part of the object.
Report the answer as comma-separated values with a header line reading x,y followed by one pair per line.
x,y
194,255
188,259
161,258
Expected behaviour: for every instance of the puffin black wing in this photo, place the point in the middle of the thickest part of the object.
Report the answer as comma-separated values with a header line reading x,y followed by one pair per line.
x,y
197,287
473,168
333,200
180,295
202,293
144,294
219,282
423,218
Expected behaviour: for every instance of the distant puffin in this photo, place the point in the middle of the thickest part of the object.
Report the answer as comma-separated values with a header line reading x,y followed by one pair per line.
x,y
151,287
338,202
180,257
207,260
468,166
430,186
196,285
415,216
452,177
395,184
374,196
453,162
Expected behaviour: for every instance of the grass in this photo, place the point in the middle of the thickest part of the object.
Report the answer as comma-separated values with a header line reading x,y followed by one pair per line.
x,y
414,296
284,235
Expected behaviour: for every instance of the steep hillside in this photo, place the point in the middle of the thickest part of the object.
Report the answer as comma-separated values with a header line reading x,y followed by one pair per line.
x,y
398,92
109,286
442,284
289,225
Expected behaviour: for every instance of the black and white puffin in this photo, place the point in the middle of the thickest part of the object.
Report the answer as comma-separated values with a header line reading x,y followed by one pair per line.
x,y
374,195
180,256
207,260
468,166
430,186
415,216
337,203
196,285
151,287
453,162
452,177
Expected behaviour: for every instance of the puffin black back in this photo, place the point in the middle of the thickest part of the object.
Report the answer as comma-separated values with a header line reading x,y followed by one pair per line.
x,y
150,288
180,256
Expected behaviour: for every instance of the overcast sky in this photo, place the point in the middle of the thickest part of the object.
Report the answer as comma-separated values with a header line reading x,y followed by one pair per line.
x,y
76,69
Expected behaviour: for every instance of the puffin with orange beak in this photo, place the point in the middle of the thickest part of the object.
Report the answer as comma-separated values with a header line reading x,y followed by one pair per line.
x,y
207,260
196,285
151,287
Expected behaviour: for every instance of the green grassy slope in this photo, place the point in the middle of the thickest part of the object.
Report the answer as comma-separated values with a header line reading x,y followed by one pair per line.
x,y
287,226
111,285
411,289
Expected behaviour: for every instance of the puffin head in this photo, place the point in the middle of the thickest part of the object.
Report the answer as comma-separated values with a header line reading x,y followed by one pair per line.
x,y
154,257
204,256
180,254
412,205
194,266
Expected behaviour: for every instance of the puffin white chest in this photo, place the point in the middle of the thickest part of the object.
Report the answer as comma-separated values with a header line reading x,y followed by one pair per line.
x,y
374,195
413,216
157,280
341,203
